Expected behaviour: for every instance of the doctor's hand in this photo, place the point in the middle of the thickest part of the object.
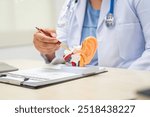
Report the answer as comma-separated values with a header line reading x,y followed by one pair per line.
x,y
45,44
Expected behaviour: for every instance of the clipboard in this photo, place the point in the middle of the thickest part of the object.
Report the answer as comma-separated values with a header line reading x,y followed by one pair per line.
x,y
40,77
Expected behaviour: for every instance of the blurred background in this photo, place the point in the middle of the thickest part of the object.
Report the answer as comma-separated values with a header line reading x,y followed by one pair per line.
x,y
18,19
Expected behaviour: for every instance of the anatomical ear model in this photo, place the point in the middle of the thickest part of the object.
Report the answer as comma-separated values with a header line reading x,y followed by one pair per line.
x,y
81,55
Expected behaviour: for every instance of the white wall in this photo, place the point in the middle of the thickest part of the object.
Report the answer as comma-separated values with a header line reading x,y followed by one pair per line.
x,y
18,19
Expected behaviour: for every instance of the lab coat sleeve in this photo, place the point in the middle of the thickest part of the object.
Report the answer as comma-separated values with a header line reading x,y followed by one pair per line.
x,y
61,31
143,12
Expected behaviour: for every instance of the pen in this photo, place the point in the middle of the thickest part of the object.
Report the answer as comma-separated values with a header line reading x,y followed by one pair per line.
x,y
63,45
46,33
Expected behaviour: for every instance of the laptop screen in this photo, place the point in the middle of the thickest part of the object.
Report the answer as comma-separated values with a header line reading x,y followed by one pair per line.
x,y
4,67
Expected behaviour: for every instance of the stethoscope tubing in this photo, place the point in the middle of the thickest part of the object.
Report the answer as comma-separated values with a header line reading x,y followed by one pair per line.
x,y
112,6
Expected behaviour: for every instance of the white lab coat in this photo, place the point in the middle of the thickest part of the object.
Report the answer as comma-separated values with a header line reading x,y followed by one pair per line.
x,y
127,45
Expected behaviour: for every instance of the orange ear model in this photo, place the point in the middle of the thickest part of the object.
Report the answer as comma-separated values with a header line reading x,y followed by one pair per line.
x,y
81,55
88,50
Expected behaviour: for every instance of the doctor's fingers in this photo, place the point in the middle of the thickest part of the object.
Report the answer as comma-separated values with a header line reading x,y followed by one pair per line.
x,y
51,32
43,38
46,48
45,44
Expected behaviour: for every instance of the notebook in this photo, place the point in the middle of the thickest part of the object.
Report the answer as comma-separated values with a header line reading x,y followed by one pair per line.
x,y
39,77
4,67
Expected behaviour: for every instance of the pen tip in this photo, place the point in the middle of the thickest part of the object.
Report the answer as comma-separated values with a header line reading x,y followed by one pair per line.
x,y
37,28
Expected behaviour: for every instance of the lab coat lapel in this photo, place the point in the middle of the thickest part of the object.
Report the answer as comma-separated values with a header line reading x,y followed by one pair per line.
x,y
103,12
80,11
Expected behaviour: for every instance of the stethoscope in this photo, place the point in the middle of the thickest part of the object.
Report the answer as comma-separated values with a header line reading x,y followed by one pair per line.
x,y
109,19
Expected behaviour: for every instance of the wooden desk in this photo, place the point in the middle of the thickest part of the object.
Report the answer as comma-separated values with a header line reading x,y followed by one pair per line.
x,y
115,84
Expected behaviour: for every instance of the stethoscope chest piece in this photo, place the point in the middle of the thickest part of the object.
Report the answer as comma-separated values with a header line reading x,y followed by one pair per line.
x,y
110,20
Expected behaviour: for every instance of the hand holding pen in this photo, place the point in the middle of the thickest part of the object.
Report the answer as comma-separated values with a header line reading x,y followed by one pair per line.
x,y
63,45
46,43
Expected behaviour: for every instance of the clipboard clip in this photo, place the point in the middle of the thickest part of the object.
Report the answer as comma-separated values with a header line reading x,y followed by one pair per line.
x,y
3,75
13,79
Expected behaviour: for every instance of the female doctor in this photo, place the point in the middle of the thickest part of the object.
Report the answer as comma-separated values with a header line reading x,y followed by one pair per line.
x,y
122,29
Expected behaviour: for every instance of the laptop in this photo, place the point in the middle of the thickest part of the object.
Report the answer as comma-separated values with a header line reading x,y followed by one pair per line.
x,y
4,67
39,77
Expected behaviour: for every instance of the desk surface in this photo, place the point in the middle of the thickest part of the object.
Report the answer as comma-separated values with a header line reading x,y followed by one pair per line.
x,y
115,84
